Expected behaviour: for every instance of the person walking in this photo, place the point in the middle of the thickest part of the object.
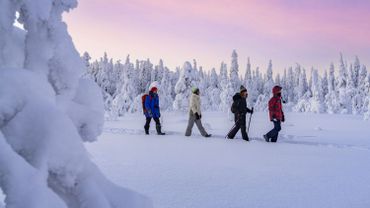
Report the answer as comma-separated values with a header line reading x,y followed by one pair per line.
x,y
276,114
151,110
240,110
195,114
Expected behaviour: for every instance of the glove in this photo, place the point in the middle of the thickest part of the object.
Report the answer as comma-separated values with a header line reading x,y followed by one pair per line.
x,y
197,117
252,111
283,118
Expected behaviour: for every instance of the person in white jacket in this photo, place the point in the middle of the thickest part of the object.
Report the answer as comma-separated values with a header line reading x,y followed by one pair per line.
x,y
195,114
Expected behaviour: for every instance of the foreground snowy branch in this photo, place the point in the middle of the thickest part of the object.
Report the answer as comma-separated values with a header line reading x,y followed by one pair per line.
x,y
46,112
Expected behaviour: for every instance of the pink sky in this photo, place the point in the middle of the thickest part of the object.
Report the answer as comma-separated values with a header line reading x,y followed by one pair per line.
x,y
311,33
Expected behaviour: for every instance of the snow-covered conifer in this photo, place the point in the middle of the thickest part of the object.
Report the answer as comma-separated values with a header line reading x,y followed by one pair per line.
x,y
183,87
234,71
317,100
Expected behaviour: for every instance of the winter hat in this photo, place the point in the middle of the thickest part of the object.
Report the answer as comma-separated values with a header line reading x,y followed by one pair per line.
x,y
153,84
276,89
153,89
243,89
194,89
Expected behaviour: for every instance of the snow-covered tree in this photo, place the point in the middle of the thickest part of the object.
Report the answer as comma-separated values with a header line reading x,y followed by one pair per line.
x,y
268,84
304,94
118,74
290,87
86,59
183,87
213,91
174,76
249,83
165,91
344,102
234,72
331,99
145,70
227,90
123,101
325,84
366,103
355,73
160,70
47,111
106,78
317,100
203,84
302,87
356,89
360,100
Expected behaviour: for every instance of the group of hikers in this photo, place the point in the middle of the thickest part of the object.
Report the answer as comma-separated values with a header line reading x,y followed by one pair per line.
x,y
238,108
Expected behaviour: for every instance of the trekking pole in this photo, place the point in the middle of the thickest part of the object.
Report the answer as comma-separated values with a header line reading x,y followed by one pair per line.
x,y
250,119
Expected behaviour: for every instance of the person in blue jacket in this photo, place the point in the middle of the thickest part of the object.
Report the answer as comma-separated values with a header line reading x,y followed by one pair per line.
x,y
151,110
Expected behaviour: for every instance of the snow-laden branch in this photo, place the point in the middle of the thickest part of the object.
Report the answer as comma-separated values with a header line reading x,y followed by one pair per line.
x,y
46,112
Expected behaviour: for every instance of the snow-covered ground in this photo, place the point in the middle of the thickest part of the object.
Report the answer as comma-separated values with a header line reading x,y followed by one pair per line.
x,y
319,161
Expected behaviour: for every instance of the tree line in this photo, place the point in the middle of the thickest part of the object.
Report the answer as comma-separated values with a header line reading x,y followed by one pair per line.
x,y
343,88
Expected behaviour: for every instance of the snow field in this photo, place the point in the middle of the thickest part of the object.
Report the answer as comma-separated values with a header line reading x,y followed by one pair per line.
x,y
319,161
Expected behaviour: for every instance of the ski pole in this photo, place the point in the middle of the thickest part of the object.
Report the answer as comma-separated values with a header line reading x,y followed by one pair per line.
x,y
249,123
250,119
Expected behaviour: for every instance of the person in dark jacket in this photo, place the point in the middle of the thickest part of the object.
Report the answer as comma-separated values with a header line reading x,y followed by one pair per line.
x,y
240,113
152,110
276,114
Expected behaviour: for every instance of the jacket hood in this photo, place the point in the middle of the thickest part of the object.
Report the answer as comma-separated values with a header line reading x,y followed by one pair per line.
x,y
276,90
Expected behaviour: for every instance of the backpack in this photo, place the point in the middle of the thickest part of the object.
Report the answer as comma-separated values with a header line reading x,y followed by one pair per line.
x,y
143,98
234,106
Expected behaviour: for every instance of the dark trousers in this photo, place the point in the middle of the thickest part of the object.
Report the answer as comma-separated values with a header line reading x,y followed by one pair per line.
x,y
148,120
240,123
274,133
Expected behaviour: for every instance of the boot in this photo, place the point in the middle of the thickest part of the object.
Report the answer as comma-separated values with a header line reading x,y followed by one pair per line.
x,y
146,128
266,138
208,135
159,132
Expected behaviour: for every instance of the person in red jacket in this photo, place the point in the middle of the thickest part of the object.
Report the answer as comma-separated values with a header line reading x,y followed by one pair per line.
x,y
276,114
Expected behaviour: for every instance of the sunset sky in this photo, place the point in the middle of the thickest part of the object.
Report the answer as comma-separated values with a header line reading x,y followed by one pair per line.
x,y
310,32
